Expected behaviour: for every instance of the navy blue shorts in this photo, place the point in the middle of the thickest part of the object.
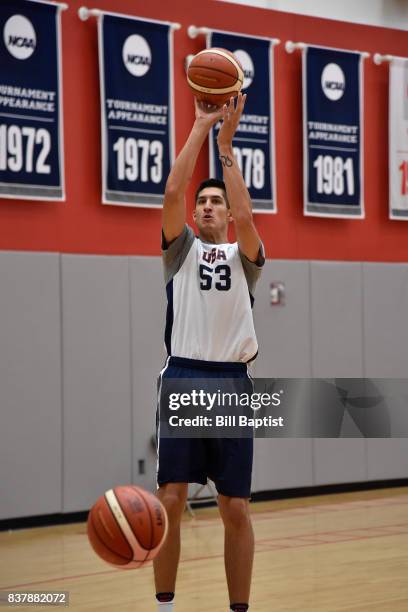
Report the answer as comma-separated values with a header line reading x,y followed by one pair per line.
x,y
226,461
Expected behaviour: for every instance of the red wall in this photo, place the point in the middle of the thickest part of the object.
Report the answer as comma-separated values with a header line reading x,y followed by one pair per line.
x,y
83,225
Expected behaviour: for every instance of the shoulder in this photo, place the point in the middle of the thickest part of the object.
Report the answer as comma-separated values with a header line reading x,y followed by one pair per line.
x,y
187,234
258,263
175,252
252,269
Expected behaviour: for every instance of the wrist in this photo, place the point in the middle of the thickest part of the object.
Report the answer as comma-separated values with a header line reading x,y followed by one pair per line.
x,y
201,125
199,132
225,149
226,158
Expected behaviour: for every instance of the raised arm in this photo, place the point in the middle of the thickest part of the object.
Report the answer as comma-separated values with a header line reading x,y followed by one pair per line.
x,y
174,205
237,193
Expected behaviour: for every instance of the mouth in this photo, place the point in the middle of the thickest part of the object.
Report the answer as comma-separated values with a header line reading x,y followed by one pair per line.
x,y
207,217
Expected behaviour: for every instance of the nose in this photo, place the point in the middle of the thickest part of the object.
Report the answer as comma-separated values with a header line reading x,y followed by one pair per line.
x,y
208,205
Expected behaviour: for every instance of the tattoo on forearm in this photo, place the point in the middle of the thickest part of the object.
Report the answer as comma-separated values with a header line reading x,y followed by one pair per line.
x,y
226,161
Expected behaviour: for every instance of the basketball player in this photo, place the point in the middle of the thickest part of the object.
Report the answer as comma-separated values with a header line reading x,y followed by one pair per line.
x,y
209,334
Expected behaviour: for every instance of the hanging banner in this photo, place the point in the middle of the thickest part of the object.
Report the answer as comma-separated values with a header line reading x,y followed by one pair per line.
x,y
332,133
398,139
136,76
253,142
31,135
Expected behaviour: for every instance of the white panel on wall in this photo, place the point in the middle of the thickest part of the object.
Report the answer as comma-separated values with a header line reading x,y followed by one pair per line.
x,y
337,337
282,464
283,331
96,377
30,383
337,342
385,13
385,320
339,460
148,311
386,356
387,458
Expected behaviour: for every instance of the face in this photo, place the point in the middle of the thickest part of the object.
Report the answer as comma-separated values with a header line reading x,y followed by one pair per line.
x,y
211,213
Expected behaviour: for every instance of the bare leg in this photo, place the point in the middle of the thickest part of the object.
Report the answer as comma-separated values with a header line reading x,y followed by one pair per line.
x,y
238,546
173,496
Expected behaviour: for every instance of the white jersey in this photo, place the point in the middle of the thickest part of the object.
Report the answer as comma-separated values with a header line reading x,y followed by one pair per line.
x,y
210,296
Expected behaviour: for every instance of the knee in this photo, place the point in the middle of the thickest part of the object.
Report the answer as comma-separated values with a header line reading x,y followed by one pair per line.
x,y
234,512
174,502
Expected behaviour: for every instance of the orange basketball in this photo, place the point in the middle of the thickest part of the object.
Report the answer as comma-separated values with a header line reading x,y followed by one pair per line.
x,y
215,75
127,526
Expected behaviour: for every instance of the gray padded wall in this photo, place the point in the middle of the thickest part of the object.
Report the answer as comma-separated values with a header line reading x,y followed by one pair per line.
x,y
336,290
386,355
96,377
339,460
148,301
282,464
387,458
283,333
386,320
30,384
103,380
337,351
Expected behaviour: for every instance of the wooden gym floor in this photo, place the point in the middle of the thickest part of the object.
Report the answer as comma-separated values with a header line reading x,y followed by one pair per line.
x,y
318,554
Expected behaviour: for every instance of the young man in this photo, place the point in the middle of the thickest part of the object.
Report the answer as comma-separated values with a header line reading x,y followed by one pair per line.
x,y
209,334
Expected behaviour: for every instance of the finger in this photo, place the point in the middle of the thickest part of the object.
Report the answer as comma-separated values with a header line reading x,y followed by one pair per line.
x,y
217,115
241,102
225,112
200,105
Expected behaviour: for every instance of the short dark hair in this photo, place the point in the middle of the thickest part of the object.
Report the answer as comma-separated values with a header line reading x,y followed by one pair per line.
x,y
211,182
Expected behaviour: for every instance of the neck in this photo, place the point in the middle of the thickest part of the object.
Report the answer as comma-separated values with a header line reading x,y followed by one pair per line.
x,y
220,237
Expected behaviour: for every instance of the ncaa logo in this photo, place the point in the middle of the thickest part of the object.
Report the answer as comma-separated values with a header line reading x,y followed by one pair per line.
x,y
247,66
136,55
19,37
333,82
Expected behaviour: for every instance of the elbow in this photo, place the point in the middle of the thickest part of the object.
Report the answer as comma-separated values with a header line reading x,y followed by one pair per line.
x,y
172,189
175,187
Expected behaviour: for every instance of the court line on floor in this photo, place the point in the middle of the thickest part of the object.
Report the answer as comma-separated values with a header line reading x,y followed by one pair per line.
x,y
338,537
60,579
271,544
310,510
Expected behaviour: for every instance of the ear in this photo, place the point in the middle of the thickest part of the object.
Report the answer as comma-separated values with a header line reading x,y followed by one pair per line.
x,y
194,214
229,216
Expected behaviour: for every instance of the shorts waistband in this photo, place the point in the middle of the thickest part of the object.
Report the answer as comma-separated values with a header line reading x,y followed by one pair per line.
x,y
226,366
